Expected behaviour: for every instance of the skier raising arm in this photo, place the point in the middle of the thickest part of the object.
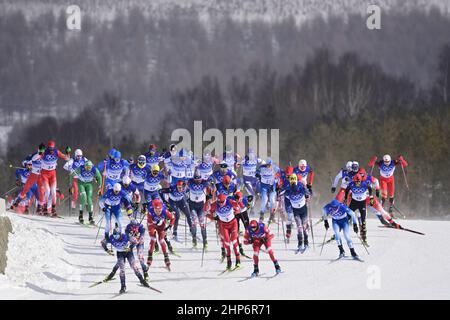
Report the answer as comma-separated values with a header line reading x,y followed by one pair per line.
x,y
387,180
346,176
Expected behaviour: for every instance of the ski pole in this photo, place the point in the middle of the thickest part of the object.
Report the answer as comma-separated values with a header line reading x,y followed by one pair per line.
x,y
284,234
70,197
203,250
398,210
404,175
323,242
311,227
13,167
10,190
362,242
99,225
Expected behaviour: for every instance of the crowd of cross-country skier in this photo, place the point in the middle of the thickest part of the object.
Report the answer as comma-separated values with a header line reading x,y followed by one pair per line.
x,y
159,187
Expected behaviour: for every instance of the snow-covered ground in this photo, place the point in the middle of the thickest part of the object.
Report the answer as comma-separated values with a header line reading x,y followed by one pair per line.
x,y
57,259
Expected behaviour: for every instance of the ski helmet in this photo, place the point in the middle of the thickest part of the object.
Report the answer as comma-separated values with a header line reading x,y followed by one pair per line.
x,y
302,164
357,178
348,166
222,198
78,153
180,185
207,156
355,166
142,161
227,180
116,233
152,148
250,198
363,173
155,168
197,176
117,155
254,225
117,187
269,161
51,144
293,179
387,158
335,203
239,195
111,153
88,165
126,180
157,204
289,170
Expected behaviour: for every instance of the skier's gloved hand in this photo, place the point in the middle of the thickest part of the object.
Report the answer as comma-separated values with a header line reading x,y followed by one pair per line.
x,y
71,191
129,212
41,148
355,228
104,209
100,192
333,189
68,150
251,240
372,201
377,193
325,223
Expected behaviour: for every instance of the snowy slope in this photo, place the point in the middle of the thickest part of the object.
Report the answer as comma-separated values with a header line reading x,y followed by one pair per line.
x,y
265,10
57,259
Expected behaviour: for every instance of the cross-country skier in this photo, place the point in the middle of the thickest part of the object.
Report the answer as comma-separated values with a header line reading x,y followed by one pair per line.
x,y
34,178
48,174
387,180
298,196
153,183
226,209
132,191
114,169
340,215
249,166
176,166
121,243
257,234
197,198
70,166
138,173
306,173
152,156
231,159
157,217
178,202
226,187
223,171
346,175
360,190
111,203
206,166
22,175
86,174
136,233
268,175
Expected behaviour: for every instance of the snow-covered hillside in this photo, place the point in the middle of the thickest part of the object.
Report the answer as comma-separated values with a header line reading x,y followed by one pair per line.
x,y
57,259
266,10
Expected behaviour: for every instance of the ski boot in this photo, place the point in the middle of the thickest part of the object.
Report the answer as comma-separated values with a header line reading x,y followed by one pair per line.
x,y
80,217
223,254
353,252
194,243
149,259
241,250
39,210
91,219
363,234
27,210
300,247
394,224
145,275
277,267
15,204
167,261
383,221
44,210
341,251
169,246
288,232
123,289
238,263
306,244
228,263
205,245
54,215
255,271
109,277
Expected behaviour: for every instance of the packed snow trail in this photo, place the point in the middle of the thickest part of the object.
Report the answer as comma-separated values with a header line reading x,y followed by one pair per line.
x,y
57,259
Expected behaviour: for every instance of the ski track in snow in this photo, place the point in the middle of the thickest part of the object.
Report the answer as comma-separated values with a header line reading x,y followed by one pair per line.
x,y
57,259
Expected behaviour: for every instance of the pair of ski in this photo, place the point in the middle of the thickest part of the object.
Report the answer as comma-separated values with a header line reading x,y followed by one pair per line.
x,y
344,257
107,280
404,229
230,270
